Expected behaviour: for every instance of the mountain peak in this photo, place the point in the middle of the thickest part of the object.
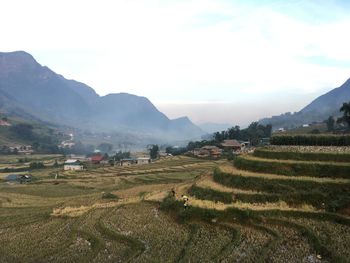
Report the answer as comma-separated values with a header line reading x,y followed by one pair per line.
x,y
16,61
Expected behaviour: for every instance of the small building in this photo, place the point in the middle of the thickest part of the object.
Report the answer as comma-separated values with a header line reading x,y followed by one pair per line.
x,y
73,165
127,162
143,160
233,145
97,159
208,151
4,123
25,149
18,178
196,151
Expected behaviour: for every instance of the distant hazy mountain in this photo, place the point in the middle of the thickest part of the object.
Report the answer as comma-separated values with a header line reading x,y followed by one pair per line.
x,y
318,110
211,127
30,90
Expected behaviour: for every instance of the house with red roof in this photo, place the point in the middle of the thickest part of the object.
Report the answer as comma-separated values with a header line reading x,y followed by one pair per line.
x,y
97,159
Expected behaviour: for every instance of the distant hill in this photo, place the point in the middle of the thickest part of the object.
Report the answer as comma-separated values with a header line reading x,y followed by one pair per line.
x,y
32,91
318,110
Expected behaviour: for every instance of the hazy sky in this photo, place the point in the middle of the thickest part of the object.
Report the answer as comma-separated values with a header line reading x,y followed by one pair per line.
x,y
219,61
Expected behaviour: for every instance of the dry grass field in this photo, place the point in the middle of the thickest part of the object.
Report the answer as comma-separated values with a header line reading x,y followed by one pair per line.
x,y
125,214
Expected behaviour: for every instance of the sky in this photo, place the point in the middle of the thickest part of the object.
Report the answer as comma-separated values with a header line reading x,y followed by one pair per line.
x,y
221,61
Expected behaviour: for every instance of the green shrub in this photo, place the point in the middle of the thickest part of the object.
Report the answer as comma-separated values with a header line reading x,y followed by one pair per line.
x,y
293,168
36,165
109,195
303,156
210,194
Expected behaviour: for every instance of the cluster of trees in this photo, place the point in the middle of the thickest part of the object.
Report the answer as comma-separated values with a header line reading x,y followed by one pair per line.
x,y
79,148
253,134
36,165
175,150
105,147
311,140
344,120
121,155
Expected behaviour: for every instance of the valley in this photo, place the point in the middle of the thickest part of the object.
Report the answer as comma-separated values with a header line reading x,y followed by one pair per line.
x,y
128,214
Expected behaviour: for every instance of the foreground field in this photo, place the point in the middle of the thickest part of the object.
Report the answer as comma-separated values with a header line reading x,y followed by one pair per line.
x,y
125,214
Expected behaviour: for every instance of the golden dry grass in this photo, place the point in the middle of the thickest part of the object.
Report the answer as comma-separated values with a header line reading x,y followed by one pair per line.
x,y
283,206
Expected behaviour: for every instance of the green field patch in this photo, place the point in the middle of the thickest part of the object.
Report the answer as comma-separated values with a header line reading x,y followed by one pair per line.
x,y
293,168
210,194
329,196
47,190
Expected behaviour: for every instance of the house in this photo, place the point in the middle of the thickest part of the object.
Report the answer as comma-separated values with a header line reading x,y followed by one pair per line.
x,y
208,151
143,160
4,122
96,159
66,144
18,178
73,165
127,162
25,149
196,151
233,145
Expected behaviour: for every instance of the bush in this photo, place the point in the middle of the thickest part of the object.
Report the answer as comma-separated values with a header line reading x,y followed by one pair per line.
x,y
293,168
109,195
303,156
36,165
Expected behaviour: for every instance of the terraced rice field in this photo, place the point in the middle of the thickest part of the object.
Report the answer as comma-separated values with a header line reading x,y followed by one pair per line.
x,y
125,214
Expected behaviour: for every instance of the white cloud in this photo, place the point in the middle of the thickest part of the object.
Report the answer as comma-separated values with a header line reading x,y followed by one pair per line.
x,y
184,50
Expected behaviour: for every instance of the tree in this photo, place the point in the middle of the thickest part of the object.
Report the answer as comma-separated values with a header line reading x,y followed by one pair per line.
x,y
23,131
153,151
330,123
105,147
345,108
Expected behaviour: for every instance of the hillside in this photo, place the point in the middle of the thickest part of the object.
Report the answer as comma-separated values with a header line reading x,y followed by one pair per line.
x,y
16,132
35,92
318,110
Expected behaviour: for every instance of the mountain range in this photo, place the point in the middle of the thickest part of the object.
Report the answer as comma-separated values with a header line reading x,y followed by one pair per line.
x,y
317,111
32,91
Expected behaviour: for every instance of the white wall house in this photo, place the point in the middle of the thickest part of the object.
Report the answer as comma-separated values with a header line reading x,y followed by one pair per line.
x,y
143,160
74,165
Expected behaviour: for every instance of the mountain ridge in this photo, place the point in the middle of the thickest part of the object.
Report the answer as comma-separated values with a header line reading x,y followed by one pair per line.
x,y
318,110
28,88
